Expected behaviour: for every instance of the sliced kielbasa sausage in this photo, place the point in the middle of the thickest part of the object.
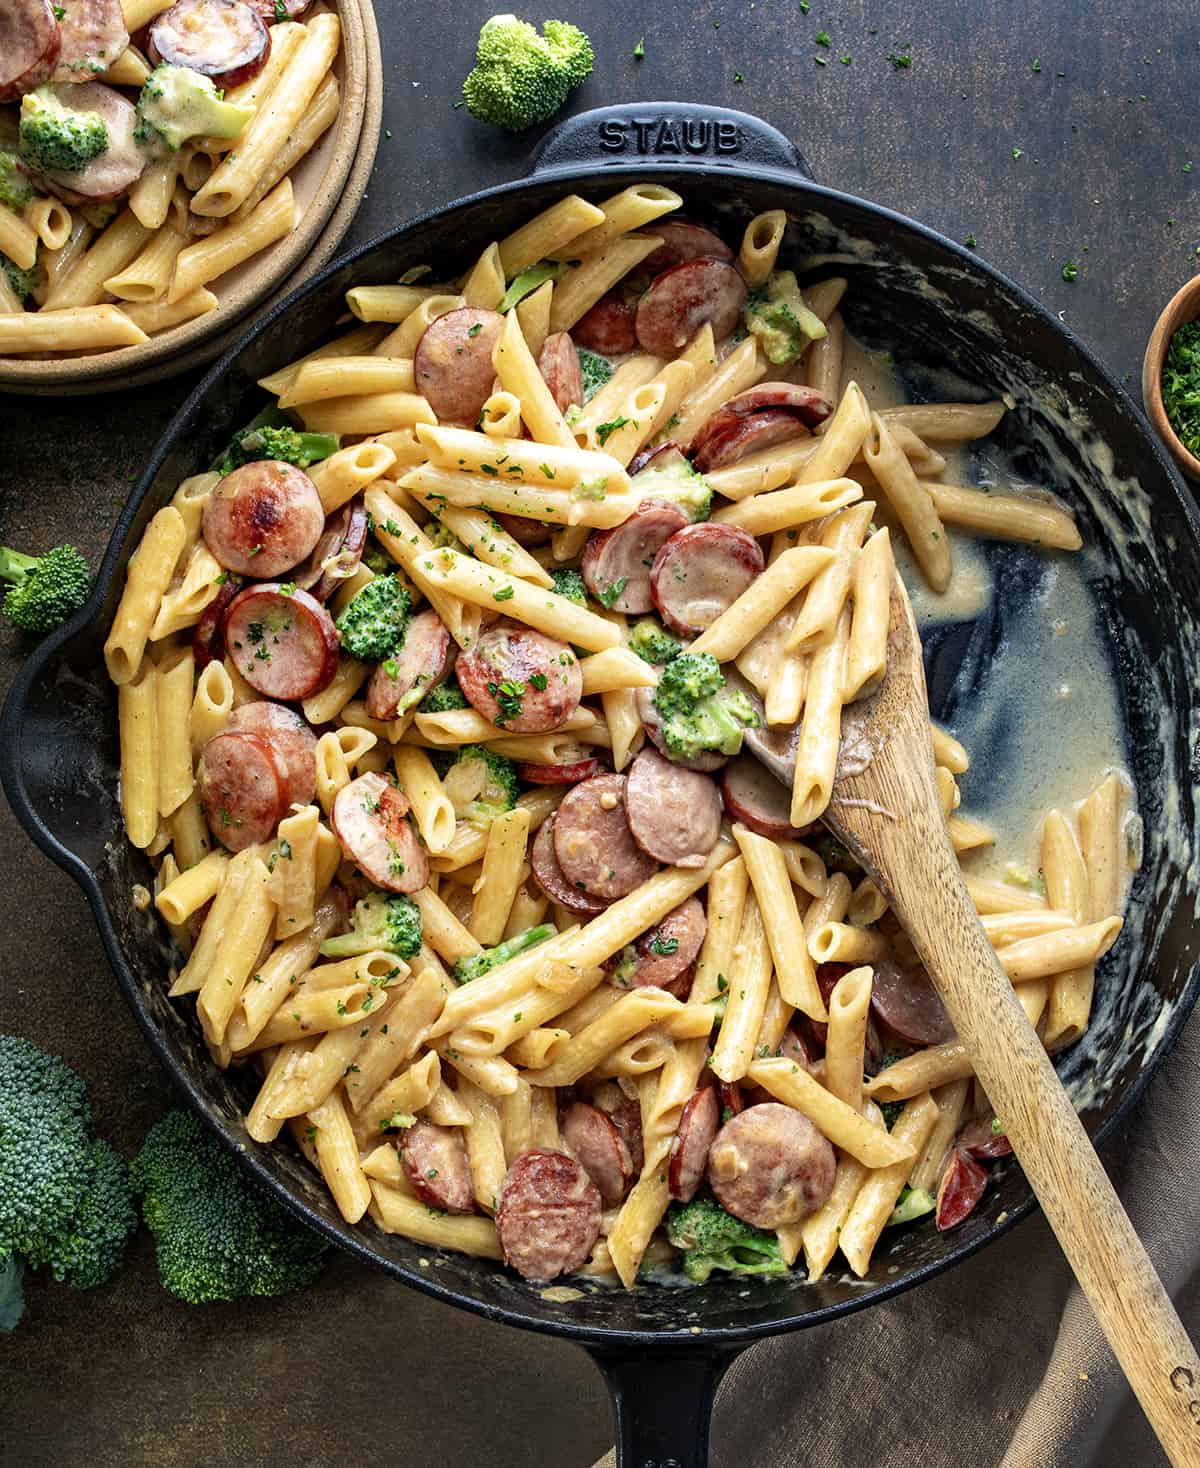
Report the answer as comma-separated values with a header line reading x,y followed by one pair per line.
x,y
594,845
120,166
452,364
243,789
684,239
434,1159
804,403
608,328
368,817
558,362
701,571
664,955
281,641
904,999
745,436
689,1150
521,680
616,563
549,1215
666,455
292,742
224,40
652,723
93,36
757,799
978,1140
421,664
263,519
570,772
337,553
626,1114
769,1165
550,878
962,1185
593,1137
683,298
674,813
30,41
524,531
208,640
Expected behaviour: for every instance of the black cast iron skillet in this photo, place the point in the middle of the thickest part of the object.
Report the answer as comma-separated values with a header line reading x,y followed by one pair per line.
x,y
941,310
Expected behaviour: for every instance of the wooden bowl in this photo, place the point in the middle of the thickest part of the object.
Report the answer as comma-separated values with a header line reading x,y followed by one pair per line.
x,y
1184,306
329,184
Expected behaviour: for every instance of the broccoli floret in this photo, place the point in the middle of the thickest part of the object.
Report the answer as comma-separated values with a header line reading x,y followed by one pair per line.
x,y
15,189
520,78
652,642
443,699
699,713
569,583
380,921
280,441
65,1198
177,103
595,370
671,477
54,138
44,590
527,281
778,317
21,282
912,1204
373,625
466,969
217,1235
481,785
713,1239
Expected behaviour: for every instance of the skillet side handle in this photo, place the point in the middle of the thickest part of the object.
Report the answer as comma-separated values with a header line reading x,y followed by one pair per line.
x,y
668,134
662,1403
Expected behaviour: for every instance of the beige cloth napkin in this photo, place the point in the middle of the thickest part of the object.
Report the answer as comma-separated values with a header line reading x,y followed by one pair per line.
x,y
997,1364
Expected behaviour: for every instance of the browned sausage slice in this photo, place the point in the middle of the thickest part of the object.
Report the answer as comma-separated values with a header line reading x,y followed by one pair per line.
x,y
962,1185
453,363
769,1165
904,999
434,1159
978,1140
242,789
337,553
674,813
757,799
743,436
683,298
571,773
224,40
368,817
93,36
292,743
593,842
593,1137
282,641
208,640
684,239
30,40
626,1114
652,724
701,571
663,455
421,664
524,531
665,954
120,166
521,680
549,875
549,1215
608,328
689,1150
263,519
616,563
803,403
558,362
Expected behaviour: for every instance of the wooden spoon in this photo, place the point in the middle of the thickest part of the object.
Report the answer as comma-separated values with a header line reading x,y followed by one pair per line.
x,y
886,809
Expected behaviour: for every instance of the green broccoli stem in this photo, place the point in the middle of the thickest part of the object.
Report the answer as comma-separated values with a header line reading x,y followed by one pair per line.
x,y
16,565
466,969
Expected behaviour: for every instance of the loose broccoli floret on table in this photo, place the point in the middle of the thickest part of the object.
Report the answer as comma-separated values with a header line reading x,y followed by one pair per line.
x,y
177,103
481,785
54,138
218,1235
699,713
521,78
652,642
466,969
713,1239
381,920
44,590
373,624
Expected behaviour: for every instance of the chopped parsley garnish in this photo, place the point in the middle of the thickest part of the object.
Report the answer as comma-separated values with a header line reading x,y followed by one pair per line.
x,y
640,49
476,329
664,947
508,696
506,593
604,431
1070,271
607,595
538,680
822,38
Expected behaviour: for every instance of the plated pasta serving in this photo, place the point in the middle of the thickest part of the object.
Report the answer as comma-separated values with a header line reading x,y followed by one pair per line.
x,y
135,173
438,696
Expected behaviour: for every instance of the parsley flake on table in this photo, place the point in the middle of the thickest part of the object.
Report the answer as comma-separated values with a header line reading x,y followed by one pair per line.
x,y
822,38
1070,271
639,51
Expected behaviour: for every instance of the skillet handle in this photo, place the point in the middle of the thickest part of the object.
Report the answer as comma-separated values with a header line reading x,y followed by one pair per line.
x,y
668,134
662,1402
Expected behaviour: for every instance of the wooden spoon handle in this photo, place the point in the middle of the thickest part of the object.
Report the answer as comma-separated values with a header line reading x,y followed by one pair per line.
x,y
1110,1263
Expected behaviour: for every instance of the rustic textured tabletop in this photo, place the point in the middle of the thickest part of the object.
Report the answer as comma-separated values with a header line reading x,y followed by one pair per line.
x,y
1045,133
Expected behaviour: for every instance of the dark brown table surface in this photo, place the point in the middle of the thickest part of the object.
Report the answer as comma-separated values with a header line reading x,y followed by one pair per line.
x,y
358,1369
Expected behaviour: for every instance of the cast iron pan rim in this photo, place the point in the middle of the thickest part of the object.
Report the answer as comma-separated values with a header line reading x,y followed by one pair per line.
x,y
10,775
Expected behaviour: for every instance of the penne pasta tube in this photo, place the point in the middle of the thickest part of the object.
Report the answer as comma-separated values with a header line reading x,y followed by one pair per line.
x,y
581,287
540,237
502,874
431,808
912,504
761,514
781,918
152,317
337,1158
997,897
399,1214
842,943
485,1142
630,209
389,303
353,343
820,733
877,1197
749,982
760,246
237,950
1005,928
1055,953
406,542
950,1101
378,412
173,694
435,487
946,422
762,601
844,1126
137,718
205,259
866,651
742,368
489,542
1004,516
70,329
519,374
923,1070
613,669
632,1013
322,113
336,377
277,976
845,1041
